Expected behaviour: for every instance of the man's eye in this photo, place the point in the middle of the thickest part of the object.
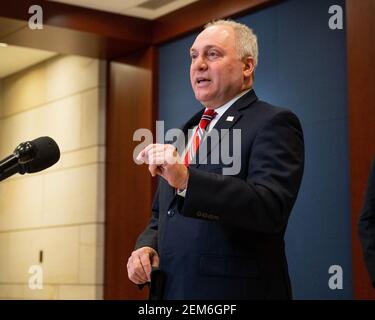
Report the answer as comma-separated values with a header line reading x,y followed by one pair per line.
x,y
213,54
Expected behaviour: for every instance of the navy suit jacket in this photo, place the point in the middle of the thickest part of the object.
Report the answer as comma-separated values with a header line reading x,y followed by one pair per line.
x,y
366,226
225,239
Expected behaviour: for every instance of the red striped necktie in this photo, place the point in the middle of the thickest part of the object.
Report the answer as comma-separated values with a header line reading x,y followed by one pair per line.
x,y
199,134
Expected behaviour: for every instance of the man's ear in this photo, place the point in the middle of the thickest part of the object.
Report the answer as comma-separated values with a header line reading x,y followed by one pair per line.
x,y
249,67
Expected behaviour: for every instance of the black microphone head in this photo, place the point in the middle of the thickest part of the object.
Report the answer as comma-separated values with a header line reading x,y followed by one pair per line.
x,y
47,153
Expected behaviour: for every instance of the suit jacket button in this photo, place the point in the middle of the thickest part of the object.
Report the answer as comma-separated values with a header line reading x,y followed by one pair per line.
x,y
170,213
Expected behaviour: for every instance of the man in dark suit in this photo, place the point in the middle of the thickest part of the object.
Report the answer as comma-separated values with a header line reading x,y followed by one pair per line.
x,y
217,230
366,225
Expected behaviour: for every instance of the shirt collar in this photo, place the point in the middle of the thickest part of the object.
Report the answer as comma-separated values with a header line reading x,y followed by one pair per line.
x,y
220,111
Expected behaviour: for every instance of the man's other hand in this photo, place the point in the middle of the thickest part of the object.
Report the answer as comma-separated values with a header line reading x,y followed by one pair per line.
x,y
140,264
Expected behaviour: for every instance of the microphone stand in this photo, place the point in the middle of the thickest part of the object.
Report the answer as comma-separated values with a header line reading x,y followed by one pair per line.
x,y
10,166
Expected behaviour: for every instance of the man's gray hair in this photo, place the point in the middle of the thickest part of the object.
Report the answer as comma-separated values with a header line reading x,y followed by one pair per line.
x,y
246,40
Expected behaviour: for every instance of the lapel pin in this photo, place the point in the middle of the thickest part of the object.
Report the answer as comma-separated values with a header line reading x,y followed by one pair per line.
x,y
230,118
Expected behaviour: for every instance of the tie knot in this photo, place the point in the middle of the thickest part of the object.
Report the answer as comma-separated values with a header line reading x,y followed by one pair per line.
x,y
207,117
210,113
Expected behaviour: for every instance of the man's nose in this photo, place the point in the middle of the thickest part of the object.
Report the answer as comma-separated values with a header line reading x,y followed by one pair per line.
x,y
200,63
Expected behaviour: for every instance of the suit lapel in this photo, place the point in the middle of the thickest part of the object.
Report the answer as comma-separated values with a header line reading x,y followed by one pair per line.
x,y
225,122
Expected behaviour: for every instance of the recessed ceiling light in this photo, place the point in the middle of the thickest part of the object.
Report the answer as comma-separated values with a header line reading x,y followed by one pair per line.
x,y
3,44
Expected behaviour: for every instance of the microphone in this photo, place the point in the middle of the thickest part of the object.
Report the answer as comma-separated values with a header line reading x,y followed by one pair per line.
x,y
29,157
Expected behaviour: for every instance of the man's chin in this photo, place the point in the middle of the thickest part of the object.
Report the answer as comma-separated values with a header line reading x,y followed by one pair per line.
x,y
203,99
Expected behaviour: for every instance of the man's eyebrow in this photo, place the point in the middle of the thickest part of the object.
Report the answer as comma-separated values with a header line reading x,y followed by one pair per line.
x,y
208,47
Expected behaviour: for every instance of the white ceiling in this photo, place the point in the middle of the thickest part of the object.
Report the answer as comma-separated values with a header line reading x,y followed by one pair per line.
x,y
136,8
15,58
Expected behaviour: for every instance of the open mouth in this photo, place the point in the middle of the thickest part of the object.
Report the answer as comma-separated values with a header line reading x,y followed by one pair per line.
x,y
202,80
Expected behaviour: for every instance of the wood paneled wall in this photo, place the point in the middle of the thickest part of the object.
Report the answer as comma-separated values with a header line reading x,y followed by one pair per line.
x,y
132,102
360,24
